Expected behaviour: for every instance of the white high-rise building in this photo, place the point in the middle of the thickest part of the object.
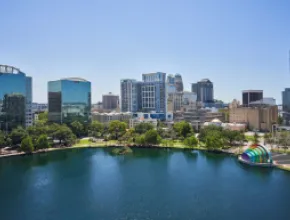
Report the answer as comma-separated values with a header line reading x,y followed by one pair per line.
x,y
154,96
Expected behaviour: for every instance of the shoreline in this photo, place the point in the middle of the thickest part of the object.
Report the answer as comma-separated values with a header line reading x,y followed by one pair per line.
x,y
222,151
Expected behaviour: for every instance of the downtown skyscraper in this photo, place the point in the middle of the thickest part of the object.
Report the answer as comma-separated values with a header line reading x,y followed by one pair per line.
x,y
203,90
69,100
15,98
149,95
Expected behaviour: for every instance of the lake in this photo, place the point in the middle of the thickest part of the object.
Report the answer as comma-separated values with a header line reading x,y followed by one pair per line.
x,y
149,184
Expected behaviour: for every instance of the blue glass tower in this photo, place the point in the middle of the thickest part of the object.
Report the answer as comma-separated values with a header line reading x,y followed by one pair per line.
x,y
69,100
15,98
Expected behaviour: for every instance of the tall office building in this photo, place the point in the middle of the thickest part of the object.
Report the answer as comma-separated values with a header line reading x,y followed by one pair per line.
x,y
110,101
69,100
154,97
178,83
130,95
203,90
15,98
170,84
251,96
286,105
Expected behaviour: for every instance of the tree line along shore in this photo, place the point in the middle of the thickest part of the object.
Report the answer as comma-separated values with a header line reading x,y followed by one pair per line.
x,y
44,135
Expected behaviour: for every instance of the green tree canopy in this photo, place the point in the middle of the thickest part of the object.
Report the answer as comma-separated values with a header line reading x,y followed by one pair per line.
x,y
42,142
27,145
232,136
117,128
256,138
17,135
141,128
191,141
43,117
140,139
183,129
2,139
63,133
204,131
214,140
95,129
36,130
77,128
280,120
129,135
152,137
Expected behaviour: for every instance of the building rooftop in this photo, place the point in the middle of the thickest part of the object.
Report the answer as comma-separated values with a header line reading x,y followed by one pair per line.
x,y
76,79
253,90
110,94
9,69
205,80
264,101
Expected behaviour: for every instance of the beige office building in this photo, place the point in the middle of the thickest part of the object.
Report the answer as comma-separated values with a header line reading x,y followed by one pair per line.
x,y
258,117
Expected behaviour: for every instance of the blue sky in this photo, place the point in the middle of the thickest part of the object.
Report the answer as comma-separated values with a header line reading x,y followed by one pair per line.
x,y
238,44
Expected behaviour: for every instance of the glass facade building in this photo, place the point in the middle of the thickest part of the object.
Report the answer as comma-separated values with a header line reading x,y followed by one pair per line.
x,y
203,90
15,98
178,83
251,96
69,100
130,95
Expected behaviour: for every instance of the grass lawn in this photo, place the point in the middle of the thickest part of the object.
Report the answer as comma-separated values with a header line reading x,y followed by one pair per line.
x,y
87,142
250,138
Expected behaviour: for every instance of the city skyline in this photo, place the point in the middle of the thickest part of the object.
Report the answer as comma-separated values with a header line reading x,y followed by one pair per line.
x,y
109,41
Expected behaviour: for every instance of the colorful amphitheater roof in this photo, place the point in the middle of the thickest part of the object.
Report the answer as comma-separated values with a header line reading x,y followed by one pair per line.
x,y
257,154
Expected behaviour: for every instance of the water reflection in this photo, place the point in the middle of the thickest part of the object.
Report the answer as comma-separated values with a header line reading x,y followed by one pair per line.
x,y
149,183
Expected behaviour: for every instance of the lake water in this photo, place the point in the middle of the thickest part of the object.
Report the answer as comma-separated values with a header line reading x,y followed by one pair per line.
x,y
150,184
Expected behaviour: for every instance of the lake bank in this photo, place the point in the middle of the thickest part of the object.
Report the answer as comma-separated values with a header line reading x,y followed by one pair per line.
x,y
115,145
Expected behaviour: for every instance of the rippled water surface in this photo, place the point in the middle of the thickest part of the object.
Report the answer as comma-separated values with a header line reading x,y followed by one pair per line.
x,y
150,184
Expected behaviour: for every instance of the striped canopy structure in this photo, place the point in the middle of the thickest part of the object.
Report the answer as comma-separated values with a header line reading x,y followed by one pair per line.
x,y
257,154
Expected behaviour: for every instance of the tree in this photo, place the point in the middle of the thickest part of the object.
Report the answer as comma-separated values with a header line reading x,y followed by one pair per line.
x,y
152,137
2,139
117,127
36,130
77,128
95,129
51,129
141,128
43,117
128,136
214,140
42,142
204,131
26,145
256,138
268,138
283,139
17,135
191,141
231,136
140,140
64,134
280,120
183,129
